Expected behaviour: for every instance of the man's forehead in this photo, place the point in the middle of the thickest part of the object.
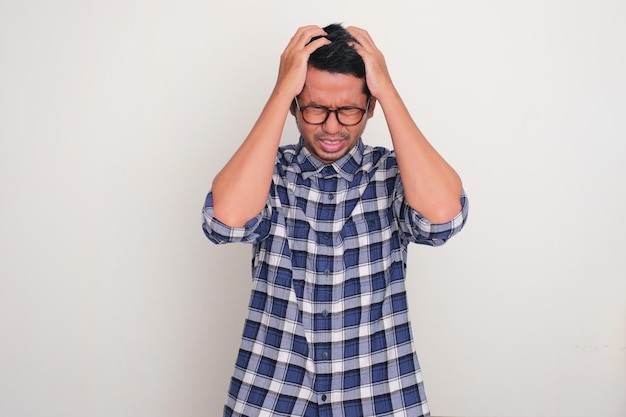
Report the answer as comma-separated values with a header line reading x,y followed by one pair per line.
x,y
333,83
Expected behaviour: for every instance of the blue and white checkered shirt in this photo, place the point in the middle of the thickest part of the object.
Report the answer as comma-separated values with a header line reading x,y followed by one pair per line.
x,y
328,331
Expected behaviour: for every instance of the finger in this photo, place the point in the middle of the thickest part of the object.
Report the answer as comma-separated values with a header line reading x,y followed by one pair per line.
x,y
304,35
361,36
316,43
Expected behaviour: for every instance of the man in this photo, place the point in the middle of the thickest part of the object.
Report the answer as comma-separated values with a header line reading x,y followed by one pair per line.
x,y
330,220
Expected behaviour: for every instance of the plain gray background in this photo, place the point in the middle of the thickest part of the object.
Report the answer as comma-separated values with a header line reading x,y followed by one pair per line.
x,y
116,115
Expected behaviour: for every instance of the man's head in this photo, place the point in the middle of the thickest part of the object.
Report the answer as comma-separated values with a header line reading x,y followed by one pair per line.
x,y
335,80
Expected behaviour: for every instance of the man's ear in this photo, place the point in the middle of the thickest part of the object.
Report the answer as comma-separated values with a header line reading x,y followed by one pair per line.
x,y
370,111
292,108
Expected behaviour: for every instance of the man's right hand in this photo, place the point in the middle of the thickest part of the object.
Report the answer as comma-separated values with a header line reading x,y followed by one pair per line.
x,y
294,59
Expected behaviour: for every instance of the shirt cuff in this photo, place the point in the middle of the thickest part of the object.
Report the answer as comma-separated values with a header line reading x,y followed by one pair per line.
x,y
219,233
437,234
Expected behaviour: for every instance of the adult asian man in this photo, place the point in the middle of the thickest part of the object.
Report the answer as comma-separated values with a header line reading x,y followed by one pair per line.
x,y
330,219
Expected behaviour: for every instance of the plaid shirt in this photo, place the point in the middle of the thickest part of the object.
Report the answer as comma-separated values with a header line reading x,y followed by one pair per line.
x,y
327,333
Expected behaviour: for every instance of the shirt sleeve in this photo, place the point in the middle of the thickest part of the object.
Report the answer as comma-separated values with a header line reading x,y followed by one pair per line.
x,y
420,230
254,230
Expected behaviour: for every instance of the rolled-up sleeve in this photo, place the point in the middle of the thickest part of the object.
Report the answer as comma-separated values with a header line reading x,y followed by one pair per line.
x,y
422,231
254,230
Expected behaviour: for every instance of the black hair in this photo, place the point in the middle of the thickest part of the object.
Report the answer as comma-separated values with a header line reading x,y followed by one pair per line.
x,y
339,56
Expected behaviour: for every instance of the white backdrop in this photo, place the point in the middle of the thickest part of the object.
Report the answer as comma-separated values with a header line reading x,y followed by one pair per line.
x,y
116,115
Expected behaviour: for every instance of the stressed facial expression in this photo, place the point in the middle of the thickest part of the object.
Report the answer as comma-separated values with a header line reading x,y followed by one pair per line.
x,y
331,140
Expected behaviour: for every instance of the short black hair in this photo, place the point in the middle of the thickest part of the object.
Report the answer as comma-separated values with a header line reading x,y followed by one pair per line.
x,y
339,56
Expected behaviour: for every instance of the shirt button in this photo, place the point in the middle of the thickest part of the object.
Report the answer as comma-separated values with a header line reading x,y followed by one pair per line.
x,y
324,397
325,313
325,355
326,272
331,197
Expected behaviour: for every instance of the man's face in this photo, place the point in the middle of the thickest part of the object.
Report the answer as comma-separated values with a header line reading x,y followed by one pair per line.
x,y
331,140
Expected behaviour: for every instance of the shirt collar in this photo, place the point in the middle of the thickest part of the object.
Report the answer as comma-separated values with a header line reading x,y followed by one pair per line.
x,y
346,166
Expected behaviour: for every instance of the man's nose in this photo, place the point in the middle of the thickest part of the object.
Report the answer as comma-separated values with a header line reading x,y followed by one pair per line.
x,y
332,125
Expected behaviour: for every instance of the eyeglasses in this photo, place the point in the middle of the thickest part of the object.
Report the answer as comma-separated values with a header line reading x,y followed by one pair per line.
x,y
346,116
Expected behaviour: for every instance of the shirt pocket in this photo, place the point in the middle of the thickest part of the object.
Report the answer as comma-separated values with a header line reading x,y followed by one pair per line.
x,y
366,229
367,242
368,259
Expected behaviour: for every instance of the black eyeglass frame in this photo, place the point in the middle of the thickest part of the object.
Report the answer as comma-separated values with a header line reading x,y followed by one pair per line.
x,y
336,111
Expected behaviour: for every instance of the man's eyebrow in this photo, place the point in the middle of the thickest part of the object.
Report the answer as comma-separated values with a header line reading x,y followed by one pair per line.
x,y
314,104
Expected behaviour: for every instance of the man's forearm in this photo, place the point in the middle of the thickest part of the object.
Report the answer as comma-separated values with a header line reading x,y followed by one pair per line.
x,y
431,185
240,189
